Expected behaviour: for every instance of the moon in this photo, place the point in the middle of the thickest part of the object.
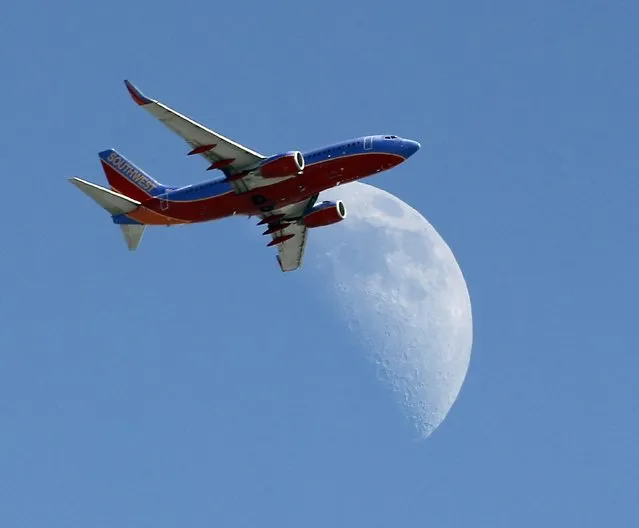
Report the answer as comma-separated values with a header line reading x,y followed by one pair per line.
x,y
399,288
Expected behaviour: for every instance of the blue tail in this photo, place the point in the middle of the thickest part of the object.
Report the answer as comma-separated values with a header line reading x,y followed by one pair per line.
x,y
127,179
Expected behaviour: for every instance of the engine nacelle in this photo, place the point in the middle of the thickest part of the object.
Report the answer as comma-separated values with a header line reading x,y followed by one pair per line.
x,y
283,165
325,213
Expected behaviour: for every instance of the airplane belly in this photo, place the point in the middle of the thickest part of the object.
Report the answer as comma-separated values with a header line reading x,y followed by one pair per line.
x,y
316,178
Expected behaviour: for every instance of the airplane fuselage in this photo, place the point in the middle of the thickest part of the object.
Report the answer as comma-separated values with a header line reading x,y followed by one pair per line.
x,y
324,168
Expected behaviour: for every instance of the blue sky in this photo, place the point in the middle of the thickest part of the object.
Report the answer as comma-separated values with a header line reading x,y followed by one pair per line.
x,y
194,384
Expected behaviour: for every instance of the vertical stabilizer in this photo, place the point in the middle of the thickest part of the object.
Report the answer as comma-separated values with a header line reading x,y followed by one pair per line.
x,y
125,178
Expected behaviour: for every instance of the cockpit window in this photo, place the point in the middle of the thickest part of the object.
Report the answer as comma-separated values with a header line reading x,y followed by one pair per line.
x,y
390,137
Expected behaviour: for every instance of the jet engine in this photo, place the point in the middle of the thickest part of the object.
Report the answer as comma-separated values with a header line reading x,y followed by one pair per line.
x,y
325,213
283,165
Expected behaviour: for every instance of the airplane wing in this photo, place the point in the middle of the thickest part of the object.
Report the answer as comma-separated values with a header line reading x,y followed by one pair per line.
x,y
291,239
290,253
221,152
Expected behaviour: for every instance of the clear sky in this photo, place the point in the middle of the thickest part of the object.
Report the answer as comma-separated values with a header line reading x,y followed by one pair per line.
x,y
194,384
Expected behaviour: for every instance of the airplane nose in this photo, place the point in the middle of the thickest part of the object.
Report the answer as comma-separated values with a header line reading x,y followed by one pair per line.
x,y
411,147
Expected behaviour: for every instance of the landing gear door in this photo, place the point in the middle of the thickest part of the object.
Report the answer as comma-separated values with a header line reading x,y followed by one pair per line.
x,y
368,142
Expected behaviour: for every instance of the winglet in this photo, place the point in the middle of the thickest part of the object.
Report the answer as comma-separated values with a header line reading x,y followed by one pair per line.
x,y
136,94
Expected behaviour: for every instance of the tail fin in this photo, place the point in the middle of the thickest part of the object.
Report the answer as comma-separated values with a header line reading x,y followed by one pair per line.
x,y
116,204
127,179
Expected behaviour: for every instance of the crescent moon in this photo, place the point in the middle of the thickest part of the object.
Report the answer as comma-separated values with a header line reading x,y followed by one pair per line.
x,y
401,291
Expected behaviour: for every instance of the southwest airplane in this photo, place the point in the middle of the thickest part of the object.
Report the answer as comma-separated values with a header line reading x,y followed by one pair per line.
x,y
281,190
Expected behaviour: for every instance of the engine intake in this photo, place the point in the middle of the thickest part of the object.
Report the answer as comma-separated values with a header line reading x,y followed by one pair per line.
x,y
283,165
325,213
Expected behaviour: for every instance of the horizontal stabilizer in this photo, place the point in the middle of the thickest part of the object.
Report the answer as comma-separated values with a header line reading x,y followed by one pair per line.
x,y
115,203
132,234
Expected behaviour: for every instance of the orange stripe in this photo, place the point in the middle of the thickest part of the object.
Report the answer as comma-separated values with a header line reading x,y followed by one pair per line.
x,y
149,217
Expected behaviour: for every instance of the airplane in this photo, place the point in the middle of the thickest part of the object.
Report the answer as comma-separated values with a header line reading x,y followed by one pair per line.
x,y
282,190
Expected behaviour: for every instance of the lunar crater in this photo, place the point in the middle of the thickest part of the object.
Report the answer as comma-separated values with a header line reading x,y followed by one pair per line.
x,y
388,207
